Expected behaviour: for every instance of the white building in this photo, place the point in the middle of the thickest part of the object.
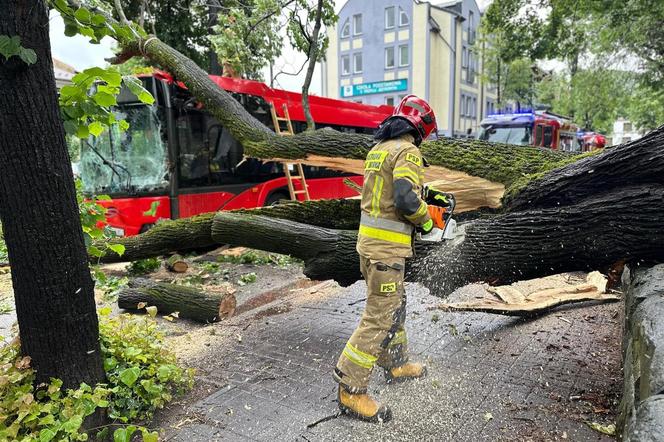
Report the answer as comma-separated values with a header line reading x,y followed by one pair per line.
x,y
63,73
623,132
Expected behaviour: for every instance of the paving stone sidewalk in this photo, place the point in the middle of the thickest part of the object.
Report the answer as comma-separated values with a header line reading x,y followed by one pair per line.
x,y
267,375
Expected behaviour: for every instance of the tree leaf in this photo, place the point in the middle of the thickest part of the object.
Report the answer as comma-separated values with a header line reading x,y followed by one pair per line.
x,y
104,99
150,436
9,46
152,310
46,435
83,15
129,376
96,128
117,248
28,56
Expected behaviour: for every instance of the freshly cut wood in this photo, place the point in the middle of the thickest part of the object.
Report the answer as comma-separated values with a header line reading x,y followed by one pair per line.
x,y
510,301
176,263
191,303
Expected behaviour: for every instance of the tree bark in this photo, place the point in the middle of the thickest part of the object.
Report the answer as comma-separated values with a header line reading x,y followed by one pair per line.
x,y
191,303
594,233
196,232
52,285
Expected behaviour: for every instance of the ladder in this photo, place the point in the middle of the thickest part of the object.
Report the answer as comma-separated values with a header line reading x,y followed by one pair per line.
x,y
287,131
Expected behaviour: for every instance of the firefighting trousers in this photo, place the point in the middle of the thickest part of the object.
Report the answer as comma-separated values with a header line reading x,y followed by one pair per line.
x,y
380,338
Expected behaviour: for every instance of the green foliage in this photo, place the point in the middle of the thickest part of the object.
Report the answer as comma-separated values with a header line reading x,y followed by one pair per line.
x,y
594,97
110,285
142,376
11,47
93,222
143,266
258,257
4,256
247,35
247,278
5,308
181,24
92,22
646,107
86,103
301,21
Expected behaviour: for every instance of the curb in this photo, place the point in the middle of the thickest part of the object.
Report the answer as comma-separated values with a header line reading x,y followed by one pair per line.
x,y
641,416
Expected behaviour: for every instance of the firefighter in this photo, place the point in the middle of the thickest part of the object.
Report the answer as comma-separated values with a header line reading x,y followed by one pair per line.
x,y
392,207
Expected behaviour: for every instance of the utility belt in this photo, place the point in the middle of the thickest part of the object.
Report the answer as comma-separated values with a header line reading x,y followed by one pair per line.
x,y
388,230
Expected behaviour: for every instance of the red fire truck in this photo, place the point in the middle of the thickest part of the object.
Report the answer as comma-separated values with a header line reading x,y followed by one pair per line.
x,y
176,160
531,128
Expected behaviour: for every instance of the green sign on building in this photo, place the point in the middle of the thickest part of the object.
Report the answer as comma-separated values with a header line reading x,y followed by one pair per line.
x,y
380,87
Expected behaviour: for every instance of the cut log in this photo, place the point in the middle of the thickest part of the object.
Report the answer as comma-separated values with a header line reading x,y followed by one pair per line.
x,y
191,303
175,263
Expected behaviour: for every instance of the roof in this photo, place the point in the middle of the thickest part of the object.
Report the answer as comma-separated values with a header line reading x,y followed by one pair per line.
x,y
323,110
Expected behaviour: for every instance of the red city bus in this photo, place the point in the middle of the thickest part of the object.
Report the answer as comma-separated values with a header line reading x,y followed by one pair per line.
x,y
528,128
176,160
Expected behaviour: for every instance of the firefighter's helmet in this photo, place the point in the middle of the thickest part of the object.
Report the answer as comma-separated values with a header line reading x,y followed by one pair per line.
x,y
418,113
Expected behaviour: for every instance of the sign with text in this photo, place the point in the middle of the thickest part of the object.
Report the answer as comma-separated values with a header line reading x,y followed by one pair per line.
x,y
380,87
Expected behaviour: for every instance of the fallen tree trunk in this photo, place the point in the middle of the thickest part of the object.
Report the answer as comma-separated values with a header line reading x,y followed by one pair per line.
x,y
594,233
169,298
196,232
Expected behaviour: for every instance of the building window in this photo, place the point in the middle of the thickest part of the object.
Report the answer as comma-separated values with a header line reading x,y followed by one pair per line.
x,y
357,24
389,17
474,109
345,29
464,58
401,97
403,18
389,58
345,65
389,101
404,59
357,63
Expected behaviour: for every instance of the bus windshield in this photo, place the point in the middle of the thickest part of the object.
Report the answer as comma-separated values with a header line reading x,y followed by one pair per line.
x,y
130,161
520,135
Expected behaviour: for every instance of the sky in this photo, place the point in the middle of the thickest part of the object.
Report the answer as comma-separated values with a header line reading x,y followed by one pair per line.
x,y
79,53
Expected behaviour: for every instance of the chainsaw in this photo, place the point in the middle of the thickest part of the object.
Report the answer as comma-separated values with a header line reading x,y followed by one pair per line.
x,y
441,207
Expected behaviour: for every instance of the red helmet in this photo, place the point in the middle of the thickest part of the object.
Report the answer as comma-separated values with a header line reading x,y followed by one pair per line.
x,y
418,113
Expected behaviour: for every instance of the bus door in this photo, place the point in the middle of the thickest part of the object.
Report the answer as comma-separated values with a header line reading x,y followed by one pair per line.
x,y
544,135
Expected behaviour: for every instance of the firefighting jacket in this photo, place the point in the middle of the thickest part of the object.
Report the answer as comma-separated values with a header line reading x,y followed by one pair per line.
x,y
391,199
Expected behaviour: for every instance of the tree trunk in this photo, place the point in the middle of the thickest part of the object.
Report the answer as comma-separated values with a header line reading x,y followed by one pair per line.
x,y
196,232
314,49
52,285
594,233
191,303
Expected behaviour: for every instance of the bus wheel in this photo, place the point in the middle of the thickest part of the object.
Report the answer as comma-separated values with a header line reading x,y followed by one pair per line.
x,y
276,198
146,227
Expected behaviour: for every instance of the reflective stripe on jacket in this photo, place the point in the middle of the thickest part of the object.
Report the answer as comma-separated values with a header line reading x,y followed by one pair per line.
x,y
391,199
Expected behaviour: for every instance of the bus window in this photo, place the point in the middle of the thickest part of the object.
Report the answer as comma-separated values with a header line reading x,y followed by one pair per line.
x,y
548,136
538,135
195,130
